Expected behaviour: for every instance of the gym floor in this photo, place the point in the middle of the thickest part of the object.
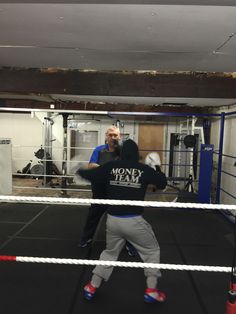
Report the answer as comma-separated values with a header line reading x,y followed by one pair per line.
x,y
193,237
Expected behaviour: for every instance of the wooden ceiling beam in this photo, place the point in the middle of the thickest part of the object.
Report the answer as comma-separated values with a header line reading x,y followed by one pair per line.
x,y
136,84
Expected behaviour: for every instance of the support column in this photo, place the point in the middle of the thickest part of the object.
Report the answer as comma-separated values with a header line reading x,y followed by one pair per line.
x,y
205,173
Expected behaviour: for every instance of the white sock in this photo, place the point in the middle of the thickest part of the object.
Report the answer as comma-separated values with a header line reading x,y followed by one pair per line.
x,y
151,282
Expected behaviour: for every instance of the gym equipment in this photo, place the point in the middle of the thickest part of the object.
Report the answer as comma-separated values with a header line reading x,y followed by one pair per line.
x,y
26,169
45,168
37,171
190,141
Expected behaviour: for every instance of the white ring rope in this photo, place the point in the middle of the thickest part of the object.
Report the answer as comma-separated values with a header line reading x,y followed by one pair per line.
x,y
76,201
28,259
86,201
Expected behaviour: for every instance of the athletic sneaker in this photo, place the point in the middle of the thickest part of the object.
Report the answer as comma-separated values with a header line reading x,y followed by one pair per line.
x,y
89,291
84,242
154,296
131,250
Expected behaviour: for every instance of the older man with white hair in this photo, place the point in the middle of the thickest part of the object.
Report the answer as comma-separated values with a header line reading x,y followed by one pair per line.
x,y
100,156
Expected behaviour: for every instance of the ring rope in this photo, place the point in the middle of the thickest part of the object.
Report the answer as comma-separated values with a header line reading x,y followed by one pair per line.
x,y
74,201
86,201
47,260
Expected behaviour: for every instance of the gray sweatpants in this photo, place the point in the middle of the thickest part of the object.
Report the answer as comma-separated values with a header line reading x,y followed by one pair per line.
x,y
139,233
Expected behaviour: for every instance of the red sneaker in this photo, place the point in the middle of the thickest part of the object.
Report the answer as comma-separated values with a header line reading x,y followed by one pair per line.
x,y
154,296
89,291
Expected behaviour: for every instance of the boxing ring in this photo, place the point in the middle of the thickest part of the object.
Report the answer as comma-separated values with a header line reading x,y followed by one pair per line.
x,y
43,270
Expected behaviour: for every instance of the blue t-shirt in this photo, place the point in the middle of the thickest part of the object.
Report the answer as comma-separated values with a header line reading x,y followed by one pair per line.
x,y
95,155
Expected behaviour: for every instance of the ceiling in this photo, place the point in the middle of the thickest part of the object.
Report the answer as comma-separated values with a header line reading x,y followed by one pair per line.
x,y
170,35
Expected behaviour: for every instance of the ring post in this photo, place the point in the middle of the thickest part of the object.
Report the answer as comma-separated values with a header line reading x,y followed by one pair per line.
x,y
221,144
204,184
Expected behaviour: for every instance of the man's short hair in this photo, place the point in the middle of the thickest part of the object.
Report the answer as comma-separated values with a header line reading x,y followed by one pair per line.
x,y
113,128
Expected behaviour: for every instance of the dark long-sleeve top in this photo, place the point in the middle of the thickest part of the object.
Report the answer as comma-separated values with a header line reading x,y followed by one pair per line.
x,y
125,180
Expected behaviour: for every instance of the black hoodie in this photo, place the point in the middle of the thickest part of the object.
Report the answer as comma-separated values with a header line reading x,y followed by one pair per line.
x,y
125,179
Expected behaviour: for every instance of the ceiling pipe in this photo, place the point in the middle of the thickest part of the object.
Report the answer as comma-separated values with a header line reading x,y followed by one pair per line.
x,y
53,110
112,113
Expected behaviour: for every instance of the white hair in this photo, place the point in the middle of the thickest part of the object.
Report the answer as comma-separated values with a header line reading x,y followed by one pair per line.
x,y
113,128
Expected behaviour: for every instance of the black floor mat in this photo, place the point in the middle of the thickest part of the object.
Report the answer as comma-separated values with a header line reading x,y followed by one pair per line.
x,y
37,288
185,237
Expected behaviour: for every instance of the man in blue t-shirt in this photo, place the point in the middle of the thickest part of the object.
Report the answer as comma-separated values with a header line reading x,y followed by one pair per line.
x,y
100,156
107,152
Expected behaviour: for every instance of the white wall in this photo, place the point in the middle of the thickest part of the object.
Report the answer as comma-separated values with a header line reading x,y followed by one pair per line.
x,y
26,135
228,183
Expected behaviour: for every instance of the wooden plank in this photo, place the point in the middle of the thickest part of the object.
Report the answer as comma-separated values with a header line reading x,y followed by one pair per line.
x,y
151,138
158,84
